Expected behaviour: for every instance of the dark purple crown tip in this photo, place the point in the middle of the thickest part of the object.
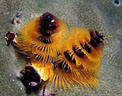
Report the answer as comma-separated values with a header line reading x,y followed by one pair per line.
x,y
47,24
30,74
48,17
30,79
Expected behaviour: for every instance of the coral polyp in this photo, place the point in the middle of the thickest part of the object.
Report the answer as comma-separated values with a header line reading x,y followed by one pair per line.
x,y
41,38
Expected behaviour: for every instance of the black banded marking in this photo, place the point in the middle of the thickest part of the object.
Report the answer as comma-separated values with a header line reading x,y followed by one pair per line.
x,y
62,65
93,43
69,57
48,58
92,34
78,52
38,58
99,35
45,40
96,38
42,58
86,47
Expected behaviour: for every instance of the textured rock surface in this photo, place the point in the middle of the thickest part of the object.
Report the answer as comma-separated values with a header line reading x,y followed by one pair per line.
x,y
101,15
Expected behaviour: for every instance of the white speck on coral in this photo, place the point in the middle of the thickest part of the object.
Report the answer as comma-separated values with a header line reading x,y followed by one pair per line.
x,y
52,21
13,80
21,88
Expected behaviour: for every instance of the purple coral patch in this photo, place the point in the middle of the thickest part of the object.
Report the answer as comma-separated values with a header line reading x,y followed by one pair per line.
x,y
10,36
